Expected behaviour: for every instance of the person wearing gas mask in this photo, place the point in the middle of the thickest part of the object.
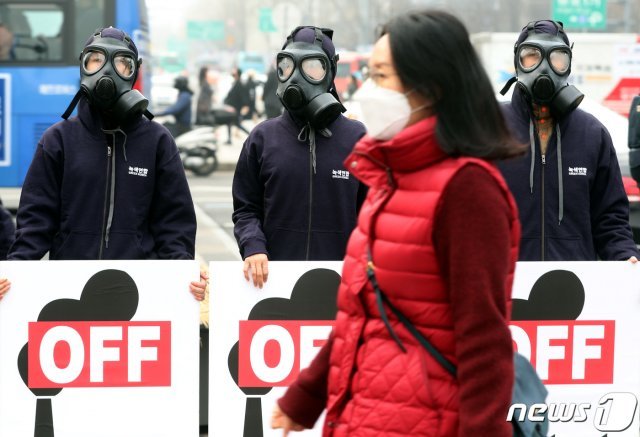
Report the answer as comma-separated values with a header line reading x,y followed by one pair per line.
x,y
293,198
568,186
107,183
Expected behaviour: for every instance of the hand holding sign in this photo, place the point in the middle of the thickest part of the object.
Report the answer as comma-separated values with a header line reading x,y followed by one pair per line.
x,y
280,420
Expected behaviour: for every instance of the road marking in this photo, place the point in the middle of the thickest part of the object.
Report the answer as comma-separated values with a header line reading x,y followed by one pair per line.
x,y
207,188
229,243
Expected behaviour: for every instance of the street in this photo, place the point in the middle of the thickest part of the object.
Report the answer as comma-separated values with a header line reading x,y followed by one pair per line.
x,y
213,204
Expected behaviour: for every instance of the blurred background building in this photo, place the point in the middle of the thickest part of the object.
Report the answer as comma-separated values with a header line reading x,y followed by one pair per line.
x,y
223,34
196,30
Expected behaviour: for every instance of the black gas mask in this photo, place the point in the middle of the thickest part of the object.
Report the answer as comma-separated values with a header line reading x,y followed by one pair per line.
x,y
108,70
543,65
305,75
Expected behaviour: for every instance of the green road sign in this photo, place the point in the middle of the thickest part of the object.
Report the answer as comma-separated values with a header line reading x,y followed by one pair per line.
x,y
265,20
206,30
581,14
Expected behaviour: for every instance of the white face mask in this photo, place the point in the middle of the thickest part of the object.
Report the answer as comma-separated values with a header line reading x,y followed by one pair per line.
x,y
385,112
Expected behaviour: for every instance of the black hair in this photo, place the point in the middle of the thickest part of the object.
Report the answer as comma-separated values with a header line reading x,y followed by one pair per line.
x,y
182,84
432,53
202,74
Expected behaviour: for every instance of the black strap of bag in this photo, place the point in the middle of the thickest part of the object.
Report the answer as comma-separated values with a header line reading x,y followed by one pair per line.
x,y
381,299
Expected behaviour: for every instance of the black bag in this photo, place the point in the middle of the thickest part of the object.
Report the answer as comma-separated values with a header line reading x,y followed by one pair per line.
x,y
528,389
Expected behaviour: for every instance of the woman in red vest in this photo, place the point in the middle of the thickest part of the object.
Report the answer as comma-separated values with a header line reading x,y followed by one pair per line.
x,y
438,236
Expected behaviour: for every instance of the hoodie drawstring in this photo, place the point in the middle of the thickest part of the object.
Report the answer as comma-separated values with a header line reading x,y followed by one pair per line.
x,y
112,193
532,142
533,160
560,184
308,132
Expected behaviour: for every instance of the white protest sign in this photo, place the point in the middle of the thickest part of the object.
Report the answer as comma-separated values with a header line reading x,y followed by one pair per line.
x,y
265,337
100,348
583,337
577,322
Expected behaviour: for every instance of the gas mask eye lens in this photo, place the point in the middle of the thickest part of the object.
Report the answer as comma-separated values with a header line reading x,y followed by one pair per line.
x,y
285,68
530,58
93,61
560,60
314,68
124,65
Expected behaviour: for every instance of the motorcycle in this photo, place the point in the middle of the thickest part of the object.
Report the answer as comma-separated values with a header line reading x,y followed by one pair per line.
x,y
198,150
197,147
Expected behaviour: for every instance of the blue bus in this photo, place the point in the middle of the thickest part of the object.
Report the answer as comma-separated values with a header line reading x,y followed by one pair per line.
x,y
40,42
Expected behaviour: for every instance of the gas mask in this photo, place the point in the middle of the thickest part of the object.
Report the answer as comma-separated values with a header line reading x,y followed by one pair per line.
x,y
305,75
108,70
543,64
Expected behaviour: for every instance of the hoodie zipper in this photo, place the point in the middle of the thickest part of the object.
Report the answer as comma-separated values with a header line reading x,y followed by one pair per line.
x,y
308,249
544,161
106,200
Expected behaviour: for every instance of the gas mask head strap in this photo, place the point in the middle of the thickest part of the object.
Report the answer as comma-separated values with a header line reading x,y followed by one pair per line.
x,y
531,30
319,32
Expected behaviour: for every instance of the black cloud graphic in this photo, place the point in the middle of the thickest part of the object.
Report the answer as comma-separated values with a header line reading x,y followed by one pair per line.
x,y
109,295
556,295
313,298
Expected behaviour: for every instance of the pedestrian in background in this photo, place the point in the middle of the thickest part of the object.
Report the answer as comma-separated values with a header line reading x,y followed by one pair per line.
x,y
352,87
181,109
205,99
109,183
568,186
238,98
439,232
272,104
293,199
6,43
251,86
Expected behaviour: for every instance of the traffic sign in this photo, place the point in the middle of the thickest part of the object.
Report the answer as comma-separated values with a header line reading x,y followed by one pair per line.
x,y
212,30
581,14
265,20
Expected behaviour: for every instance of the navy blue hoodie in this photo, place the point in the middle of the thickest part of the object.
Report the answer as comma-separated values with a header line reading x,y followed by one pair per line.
x,y
85,197
285,209
579,213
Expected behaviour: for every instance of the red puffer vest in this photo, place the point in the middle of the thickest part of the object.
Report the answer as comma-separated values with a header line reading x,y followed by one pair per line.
x,y
374,388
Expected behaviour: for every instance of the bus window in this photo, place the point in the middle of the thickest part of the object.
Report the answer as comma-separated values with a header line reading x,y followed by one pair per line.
x,y
35,29
40,74
89,18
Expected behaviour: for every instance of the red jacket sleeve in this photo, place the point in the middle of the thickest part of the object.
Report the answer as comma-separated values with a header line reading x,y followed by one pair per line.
x,y
306,398
472,243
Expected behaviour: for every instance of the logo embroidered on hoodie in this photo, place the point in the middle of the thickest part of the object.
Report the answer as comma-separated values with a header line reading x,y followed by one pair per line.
x,y
577,171
340,174
138,171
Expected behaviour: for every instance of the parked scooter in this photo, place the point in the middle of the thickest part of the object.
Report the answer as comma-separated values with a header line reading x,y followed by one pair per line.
x,y
198,146
198,150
